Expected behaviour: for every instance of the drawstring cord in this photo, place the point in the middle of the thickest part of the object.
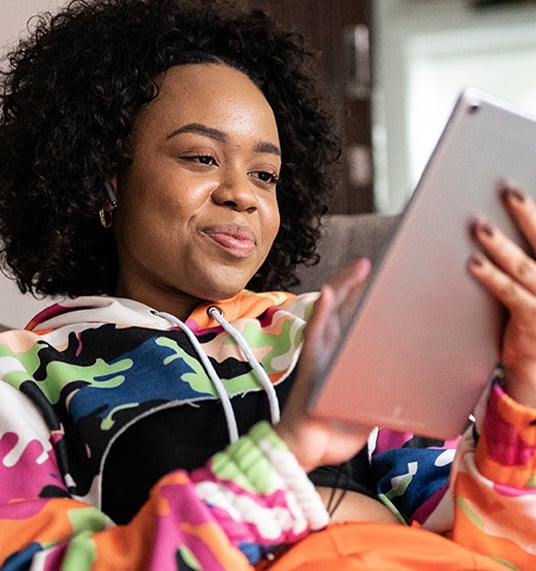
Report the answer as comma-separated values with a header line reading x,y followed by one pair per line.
x,y
211,372
217,315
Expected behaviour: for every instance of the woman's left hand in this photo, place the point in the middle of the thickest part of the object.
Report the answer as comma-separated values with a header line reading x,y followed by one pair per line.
x,y
509,274
318,441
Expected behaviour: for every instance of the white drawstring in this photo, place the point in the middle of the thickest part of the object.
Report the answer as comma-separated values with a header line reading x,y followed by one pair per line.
x,y
211,372
273,401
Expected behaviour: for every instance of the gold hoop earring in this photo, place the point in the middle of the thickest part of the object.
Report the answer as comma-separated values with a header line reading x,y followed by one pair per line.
x,y
105,218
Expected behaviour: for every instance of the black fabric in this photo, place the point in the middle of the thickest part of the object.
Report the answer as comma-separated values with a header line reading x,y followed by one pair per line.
x,y
357,479
184,437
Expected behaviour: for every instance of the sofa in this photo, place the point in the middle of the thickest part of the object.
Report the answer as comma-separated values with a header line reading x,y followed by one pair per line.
x,y
346,238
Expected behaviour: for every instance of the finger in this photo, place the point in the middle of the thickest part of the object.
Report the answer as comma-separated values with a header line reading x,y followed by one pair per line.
x,y
511,258
333,307
318,331
523,211
349,277
314,355
348,285
514,296
322,309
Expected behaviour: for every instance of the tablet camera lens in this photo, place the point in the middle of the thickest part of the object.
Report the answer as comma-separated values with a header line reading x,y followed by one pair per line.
x,y
474,107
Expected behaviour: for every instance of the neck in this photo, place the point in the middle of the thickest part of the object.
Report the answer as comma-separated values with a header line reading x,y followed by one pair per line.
x,y
177,303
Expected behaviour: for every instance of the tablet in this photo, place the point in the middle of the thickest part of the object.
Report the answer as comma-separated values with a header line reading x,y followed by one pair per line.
x,y
424,337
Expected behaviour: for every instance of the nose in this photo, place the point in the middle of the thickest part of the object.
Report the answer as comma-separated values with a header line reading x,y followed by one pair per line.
x,y
236,191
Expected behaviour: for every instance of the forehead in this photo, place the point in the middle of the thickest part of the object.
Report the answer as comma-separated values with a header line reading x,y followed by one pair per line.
x,y
208,93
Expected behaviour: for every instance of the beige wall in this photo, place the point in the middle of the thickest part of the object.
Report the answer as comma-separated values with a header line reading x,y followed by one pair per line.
x,y
15,13
16,309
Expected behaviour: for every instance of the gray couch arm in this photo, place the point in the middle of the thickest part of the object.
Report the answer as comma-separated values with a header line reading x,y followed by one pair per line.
x,y
346,238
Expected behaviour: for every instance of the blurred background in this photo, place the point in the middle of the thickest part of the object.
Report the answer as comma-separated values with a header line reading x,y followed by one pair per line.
x,y
393,70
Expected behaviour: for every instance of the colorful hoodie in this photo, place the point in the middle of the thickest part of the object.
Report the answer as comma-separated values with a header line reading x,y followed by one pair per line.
x,y
114,421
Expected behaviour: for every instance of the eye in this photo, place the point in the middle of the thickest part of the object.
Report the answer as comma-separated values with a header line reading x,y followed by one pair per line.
x,y
266,177
201,159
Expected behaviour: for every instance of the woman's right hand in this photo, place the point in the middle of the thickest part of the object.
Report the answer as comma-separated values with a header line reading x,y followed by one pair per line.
x,y
509,274
317,441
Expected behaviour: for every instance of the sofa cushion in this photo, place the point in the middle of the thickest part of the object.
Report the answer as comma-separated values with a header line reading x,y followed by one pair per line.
x,y
345,239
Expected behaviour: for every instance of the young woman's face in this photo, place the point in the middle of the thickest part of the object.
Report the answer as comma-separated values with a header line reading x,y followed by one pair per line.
x,y
197,210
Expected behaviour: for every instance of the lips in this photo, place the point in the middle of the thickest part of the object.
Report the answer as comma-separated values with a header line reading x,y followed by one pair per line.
x,y
237,240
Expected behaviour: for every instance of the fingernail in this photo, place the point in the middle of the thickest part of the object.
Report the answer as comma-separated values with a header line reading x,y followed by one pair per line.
x,y
513,193
486,229
516,194
477,259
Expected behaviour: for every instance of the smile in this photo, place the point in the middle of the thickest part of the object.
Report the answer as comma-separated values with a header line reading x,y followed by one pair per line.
x,y
239,241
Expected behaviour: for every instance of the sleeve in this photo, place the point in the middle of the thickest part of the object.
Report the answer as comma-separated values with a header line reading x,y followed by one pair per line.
x,y
494,482
412,475
244,502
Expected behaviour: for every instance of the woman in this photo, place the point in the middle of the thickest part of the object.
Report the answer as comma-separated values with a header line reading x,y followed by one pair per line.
x,y
156,160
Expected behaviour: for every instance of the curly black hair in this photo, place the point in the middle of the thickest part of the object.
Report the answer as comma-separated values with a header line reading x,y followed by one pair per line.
x,y
69,97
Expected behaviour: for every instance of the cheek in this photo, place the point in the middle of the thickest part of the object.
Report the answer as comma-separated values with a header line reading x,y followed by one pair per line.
x,y
275,227
271,222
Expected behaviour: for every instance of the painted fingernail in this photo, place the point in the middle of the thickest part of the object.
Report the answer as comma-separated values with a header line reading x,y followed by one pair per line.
x,y
477,259
517,195
486,229
514,193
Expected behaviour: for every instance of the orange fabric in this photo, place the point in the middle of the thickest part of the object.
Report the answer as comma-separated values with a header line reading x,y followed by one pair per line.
x,y
477,514
42,521
124,548
243,304
379,547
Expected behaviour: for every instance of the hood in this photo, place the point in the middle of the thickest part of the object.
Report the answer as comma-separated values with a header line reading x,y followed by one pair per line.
x,y
122,311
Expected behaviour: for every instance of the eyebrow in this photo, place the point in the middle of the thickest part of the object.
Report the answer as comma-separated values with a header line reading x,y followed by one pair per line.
x,y
216,134
267,148
200,129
